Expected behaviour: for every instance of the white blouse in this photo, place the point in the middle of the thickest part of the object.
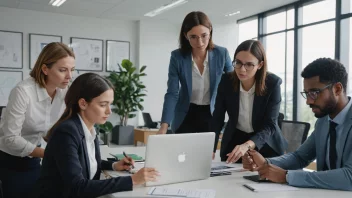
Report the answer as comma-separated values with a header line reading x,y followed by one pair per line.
x,y
29,114
245,111
200,84
90,137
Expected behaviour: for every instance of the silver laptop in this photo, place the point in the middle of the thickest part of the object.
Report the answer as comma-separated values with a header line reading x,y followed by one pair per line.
x,y
180,157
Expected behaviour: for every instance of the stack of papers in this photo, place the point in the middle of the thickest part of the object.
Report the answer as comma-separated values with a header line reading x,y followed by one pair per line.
x,y
179,192
223,166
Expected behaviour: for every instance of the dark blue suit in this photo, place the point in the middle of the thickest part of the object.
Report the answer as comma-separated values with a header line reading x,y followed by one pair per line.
x,y
65,166
264,116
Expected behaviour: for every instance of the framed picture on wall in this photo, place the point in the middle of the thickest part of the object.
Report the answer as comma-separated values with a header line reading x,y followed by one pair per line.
x,y
11,49
116,51
8,80
89,54
37,42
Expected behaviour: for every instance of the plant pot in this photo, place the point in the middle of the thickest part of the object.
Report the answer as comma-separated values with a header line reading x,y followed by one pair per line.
x,y
123,135
106,137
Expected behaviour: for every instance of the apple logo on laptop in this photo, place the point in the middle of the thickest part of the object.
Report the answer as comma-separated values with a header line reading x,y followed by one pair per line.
x,y
182,157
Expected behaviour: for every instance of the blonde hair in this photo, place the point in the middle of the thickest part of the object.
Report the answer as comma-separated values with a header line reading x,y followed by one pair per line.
x,y
50,54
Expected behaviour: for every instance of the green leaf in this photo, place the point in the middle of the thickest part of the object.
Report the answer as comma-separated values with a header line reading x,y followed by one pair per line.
x,y
142,68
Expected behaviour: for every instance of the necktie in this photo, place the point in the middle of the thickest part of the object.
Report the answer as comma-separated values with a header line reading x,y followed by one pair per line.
x,y
332,151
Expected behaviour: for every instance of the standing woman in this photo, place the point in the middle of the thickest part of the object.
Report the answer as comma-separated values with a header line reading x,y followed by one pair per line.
x,y
35,104
251,96
197,65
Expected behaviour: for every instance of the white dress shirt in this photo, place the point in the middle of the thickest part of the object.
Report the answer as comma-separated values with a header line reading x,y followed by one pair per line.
x,y
29,114
200,84
90,137
245,111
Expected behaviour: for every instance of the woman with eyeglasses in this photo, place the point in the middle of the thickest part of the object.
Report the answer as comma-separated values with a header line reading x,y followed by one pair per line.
x,y
195,71
251,97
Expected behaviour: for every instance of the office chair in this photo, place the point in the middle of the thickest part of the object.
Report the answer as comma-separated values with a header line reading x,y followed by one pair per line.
x,y
148,122
280,119
295,133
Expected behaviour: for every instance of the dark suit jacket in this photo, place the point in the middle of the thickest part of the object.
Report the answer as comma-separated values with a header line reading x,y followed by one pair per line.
x,y
65,166
264,116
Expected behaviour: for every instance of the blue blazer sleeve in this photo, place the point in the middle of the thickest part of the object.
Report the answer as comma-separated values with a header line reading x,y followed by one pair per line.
x,y
228,63
70,169
172,93
271,114
337,179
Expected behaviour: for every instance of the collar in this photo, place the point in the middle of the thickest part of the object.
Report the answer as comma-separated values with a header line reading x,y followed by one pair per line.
x,y
43,93
341,117
90,135
250,91
205,63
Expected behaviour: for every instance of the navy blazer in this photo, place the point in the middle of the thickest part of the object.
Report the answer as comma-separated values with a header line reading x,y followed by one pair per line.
x,y
264,115
177,99
65,167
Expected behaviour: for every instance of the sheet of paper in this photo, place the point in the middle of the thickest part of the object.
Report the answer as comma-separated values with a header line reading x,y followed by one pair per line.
x,y
265,187
180,192
223,166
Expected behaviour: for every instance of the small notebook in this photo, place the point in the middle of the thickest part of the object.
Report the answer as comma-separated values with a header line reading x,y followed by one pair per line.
x,y
133,156
266,187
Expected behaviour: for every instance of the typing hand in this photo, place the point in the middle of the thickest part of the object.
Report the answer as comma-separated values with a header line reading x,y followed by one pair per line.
x,y
272,173
124,164
144,175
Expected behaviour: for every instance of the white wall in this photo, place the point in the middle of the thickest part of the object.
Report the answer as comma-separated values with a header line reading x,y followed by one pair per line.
x,y
27,21
157,40
226,35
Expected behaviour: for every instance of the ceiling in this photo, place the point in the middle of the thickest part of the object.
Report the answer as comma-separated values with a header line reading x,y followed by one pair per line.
x,y
135,9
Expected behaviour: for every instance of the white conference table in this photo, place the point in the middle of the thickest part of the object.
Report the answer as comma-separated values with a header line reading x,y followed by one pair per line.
x,y
230,186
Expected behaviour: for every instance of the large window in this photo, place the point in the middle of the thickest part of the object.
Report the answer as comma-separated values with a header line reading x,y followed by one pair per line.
x,y
315,44
278,41
346,49
317,11
346,6
292,42
248,29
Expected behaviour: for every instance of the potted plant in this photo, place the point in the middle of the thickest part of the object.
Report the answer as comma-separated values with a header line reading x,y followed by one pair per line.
x,y
105,131
128,97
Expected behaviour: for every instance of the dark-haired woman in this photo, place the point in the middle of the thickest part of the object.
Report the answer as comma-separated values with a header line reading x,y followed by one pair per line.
x,y
251,96
72,164
197,66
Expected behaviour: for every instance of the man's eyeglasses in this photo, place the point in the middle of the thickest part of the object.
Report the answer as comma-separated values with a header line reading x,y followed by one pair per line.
x,y
248,66
203,37
314,93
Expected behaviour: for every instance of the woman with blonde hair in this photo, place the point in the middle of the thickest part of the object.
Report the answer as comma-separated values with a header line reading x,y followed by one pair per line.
x,y
35,104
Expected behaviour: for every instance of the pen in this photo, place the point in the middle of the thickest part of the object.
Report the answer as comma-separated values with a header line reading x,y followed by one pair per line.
x,y
127,157
250,188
